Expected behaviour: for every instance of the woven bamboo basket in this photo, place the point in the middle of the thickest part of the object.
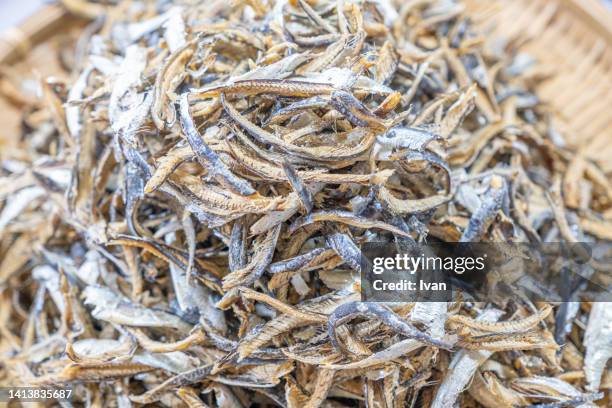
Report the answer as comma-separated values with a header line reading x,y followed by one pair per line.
x,y
570,39
30,51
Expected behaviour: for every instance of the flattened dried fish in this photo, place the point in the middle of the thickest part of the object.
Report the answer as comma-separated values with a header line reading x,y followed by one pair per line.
x,y
164,115
113,308
483,216
344,217
183,211
298,185
346,248
206,156
261,258
266,86
462,368
349,311
501,327
598,343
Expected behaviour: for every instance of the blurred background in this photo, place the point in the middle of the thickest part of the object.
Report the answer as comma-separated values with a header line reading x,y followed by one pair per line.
x,y
13,11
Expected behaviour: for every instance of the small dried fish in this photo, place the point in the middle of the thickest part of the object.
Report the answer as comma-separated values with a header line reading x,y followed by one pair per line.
x,y
504,327
206,156
355,111
483,216
409,138
298,185
346,249
349,311
112,308
261,258
598,344
166,81
182,212
344,217
248,87
462,367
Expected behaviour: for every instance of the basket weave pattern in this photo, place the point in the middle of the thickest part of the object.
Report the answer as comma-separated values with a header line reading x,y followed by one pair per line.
x,y
572,42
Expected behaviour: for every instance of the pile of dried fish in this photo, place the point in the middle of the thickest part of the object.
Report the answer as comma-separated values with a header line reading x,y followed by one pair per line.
x,y
181,221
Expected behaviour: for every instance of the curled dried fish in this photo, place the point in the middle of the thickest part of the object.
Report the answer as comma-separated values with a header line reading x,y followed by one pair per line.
x,y
206,156
184,208
349,311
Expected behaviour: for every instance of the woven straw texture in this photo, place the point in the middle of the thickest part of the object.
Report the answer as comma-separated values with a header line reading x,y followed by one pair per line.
x,y
572,42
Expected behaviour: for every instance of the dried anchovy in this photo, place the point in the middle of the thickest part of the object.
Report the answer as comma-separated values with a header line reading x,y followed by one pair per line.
x,y
299,187
182,211
267,86
295,263
571,402
346,248
351,310
344,217
355,111
483,216
206,156
264,251
501,327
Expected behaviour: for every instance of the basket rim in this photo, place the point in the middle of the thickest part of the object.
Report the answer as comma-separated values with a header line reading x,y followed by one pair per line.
x,y
593,12
18,40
